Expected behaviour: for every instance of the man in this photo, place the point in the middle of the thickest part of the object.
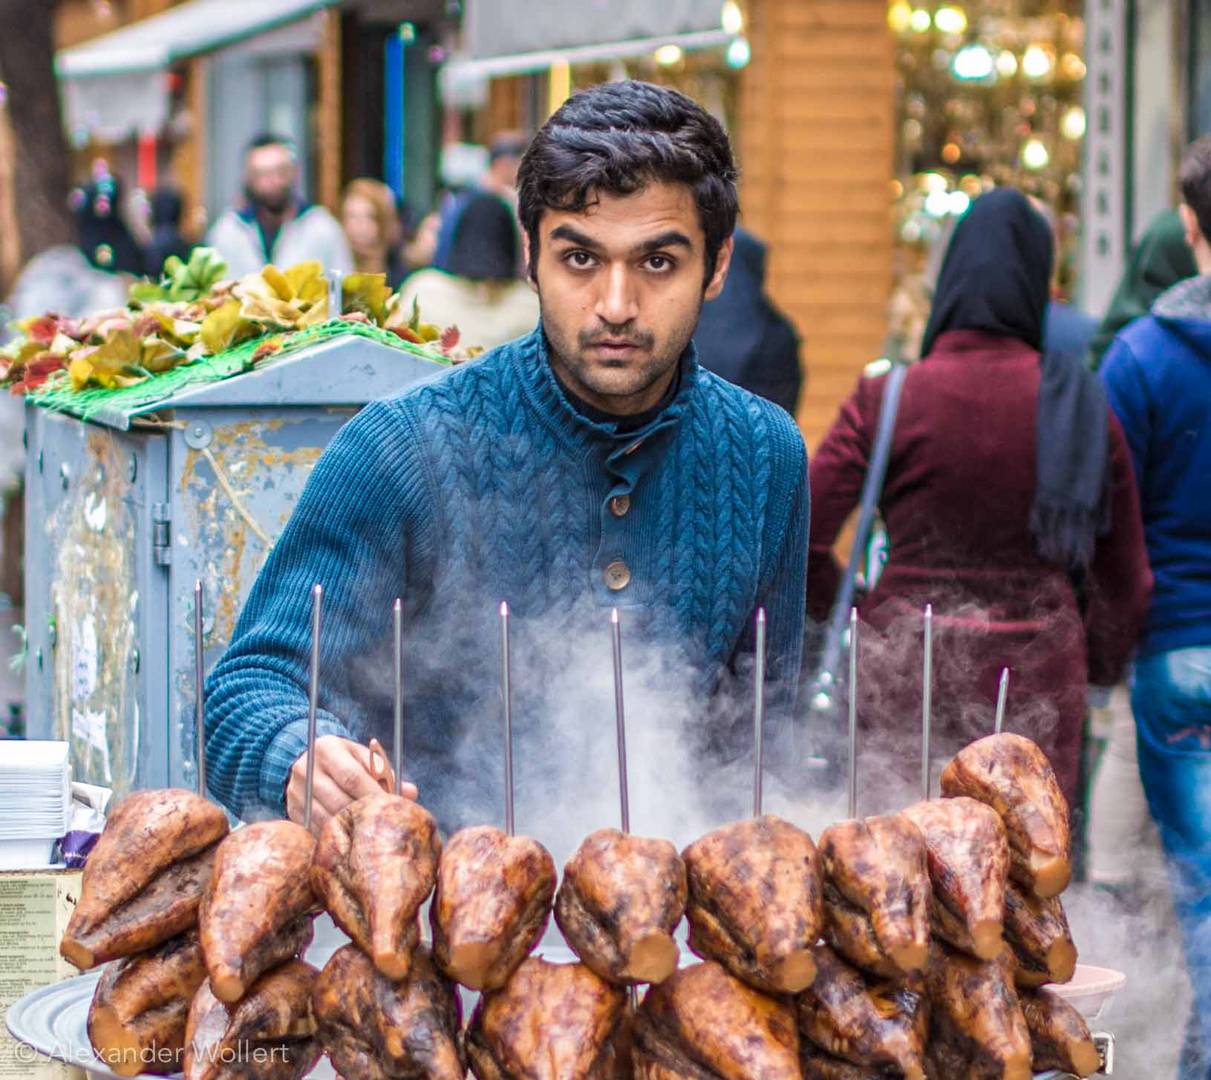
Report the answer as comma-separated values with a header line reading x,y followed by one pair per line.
x,y
590,465
274,225
1158,374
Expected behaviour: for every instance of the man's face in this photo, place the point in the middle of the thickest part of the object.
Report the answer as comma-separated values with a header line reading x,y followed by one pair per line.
x,y
620,287
270,173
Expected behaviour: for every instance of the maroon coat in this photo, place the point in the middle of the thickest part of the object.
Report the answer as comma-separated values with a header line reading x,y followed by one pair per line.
x,y
956,503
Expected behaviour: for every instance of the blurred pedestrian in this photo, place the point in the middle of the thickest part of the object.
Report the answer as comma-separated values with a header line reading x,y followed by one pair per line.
x,y
477,287
1009,506
1161,259
1066,328
505,152
166,235
372,227
274,224
742,335
1158,375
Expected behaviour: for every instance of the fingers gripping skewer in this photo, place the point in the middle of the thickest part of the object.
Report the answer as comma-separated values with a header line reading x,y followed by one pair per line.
x,y
853,712
620,721
398,746
1002,698
759,713
506,690
199,676
926,700
313,697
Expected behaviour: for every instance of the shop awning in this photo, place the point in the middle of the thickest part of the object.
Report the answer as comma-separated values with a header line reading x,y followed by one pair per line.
x,y
116,85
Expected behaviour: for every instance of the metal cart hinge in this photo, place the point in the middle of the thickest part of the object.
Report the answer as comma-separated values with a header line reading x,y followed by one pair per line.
x,y
161,533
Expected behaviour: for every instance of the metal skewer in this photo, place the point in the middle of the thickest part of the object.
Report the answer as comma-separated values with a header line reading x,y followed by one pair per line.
x,y
398,746
1002,698
759,713
313,697
853,712
620,721
506,690
926,700
199,677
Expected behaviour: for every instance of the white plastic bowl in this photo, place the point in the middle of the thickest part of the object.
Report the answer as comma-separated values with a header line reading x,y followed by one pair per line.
x,y
1091,989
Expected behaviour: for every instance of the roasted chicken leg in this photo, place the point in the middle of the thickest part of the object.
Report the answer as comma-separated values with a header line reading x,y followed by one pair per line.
x,y
491,906
620,900
1013,776
258,906
755,903
136,1022
269,1035
376,1029
968,858
1037,932
551,1022
144,879
875,870
1059,1036
375,865
704,1024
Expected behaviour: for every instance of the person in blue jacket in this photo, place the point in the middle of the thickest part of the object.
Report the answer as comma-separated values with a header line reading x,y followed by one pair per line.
x,y
1158,376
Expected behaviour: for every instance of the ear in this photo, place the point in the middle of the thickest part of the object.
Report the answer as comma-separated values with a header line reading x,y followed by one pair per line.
x,y
531,277
1190,226
715,286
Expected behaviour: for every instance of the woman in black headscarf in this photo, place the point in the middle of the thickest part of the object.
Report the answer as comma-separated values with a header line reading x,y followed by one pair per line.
x,y
1010,507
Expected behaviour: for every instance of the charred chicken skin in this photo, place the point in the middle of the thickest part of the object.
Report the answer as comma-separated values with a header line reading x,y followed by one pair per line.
x,y
705,1024
1038,934
258,907
375,864
269,1035
492,905
877,1026
551,1022
755,902
968,857
376,1029
1059,1036
136,1022
877,894
145,877
1012,775
620,900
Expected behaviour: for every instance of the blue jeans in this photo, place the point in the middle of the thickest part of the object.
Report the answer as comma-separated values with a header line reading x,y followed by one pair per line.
x,y
1171,698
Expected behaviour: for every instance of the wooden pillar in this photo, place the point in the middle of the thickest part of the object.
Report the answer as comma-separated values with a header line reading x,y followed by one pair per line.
x,y
329,141
816,146
505,111
10,245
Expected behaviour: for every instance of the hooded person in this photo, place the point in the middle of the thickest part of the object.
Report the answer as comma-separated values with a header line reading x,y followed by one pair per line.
x,y
475,285
1009,483
1158,377
743,337
1161,259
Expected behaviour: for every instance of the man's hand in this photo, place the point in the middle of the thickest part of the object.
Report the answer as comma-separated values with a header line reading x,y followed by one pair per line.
x,y
344,772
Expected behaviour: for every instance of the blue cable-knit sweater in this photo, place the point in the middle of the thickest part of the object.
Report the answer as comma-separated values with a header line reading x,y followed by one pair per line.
x,y
487,485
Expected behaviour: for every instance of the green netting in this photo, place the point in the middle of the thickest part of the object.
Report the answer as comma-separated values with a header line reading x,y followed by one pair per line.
x,y
57,393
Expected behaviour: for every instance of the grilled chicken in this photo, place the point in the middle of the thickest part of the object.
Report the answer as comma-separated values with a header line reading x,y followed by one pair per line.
x,y
269,1035
376,1029
1013,776
877,894
976,1019
1037,932
257,910
755,903
492,905
375,865
144,879
136,1022
875,1025
704,1024
1059,1036
551,1022
968,858
620,900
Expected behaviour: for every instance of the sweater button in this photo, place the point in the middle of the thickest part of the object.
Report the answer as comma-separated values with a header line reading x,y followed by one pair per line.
x,y
619,505
617,575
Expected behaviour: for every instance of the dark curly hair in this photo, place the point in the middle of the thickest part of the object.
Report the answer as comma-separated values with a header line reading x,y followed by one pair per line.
x,y
619,137
1194,179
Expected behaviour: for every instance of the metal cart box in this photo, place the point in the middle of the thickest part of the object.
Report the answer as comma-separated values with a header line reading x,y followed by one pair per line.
x,y
126,511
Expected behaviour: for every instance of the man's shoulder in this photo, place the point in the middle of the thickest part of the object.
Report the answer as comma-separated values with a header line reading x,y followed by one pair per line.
x,y
751,418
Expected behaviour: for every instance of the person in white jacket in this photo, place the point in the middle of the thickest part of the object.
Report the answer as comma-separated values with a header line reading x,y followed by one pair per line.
x,y
274,225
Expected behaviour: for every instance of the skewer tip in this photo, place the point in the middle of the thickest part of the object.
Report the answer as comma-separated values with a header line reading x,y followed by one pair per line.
x,y
761,616
929,611
317,591
504,609
614,616
398,605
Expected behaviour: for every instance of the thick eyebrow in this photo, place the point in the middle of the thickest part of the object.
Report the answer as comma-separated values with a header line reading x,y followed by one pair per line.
x,y
671,238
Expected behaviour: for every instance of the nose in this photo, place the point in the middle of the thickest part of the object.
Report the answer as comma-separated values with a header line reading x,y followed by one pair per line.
x,y
617,304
